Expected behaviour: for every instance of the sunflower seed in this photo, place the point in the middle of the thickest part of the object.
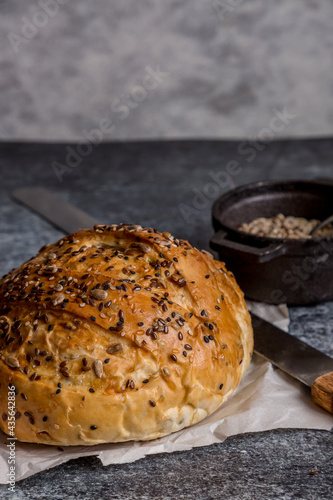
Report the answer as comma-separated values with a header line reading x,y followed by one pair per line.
x,y
98,368
58,299
51,256
50,269
143,247
115,348
166,372
99,294
12,362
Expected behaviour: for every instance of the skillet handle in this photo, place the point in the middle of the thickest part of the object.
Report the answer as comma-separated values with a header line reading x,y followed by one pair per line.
x,y
221,244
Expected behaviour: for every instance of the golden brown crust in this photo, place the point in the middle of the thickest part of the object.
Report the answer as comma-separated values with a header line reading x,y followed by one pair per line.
x,y
118,333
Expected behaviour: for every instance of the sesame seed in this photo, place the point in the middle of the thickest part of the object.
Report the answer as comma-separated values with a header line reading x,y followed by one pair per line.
x,y
210,326
145,381
93,427
58,391
206,339
44,419
152,403
173,357
93,318
221,386
210,337
91,390
207,276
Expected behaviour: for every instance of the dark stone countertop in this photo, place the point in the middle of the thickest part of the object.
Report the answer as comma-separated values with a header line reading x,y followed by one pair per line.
x,y
145,182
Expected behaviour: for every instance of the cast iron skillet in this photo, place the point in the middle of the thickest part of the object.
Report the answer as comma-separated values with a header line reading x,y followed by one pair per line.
x,y
276,270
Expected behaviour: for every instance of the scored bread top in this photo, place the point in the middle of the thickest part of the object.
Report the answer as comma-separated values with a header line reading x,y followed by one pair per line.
x,y
116,333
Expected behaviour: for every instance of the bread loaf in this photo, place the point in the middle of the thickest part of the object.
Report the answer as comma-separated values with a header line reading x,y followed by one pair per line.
x,y
119,333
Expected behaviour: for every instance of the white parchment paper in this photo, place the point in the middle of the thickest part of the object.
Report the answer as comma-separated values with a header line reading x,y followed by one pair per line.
x,y
265,399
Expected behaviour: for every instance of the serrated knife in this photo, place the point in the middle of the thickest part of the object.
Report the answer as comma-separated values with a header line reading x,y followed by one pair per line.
x,y
306,364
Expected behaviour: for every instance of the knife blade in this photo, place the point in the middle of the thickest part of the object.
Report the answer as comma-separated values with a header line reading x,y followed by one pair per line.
x,y
54,209
298,359
303,362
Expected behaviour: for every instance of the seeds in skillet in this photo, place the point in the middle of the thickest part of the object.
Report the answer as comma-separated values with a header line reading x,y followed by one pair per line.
x,y
281,226
99,294
12,362
98,368
115,348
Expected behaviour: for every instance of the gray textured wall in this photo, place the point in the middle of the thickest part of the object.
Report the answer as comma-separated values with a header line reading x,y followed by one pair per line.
x,y
229,69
